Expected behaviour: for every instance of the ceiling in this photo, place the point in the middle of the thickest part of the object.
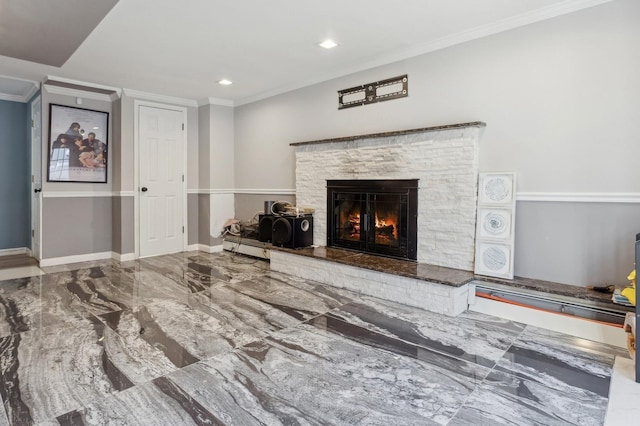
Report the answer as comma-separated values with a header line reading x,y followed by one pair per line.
x,y
183,49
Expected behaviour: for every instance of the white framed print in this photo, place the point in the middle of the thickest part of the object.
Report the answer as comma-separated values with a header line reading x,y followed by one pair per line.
x,y
495,223
494,259
497,188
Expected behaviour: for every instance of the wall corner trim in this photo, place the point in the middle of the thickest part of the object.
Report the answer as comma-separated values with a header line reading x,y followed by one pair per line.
x,y
123,257
205,248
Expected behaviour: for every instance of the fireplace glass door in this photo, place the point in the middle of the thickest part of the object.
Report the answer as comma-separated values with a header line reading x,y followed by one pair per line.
x,y
374,218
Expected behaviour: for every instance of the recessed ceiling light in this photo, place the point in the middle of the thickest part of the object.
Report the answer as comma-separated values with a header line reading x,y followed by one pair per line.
x,y
225,82
328,44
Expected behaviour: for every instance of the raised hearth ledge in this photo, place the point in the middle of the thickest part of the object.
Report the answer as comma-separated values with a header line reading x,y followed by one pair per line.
x,y
399,284
394,133
431,274
404,268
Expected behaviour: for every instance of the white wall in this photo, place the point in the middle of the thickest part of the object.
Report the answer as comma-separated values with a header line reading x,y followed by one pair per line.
x,y
560,101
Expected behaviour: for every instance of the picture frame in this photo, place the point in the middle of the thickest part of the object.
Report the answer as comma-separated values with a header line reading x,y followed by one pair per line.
x,y
78,145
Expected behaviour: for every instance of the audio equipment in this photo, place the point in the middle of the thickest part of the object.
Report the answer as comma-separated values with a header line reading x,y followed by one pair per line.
x,y
292,231
265,223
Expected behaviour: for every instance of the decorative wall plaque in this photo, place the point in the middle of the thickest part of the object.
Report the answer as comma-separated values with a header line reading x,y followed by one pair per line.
x,y
495,225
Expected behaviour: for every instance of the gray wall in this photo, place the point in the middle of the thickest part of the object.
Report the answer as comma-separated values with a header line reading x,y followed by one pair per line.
x,y
76,226
122,233
247,205
193,212
576,243
560,101
15,166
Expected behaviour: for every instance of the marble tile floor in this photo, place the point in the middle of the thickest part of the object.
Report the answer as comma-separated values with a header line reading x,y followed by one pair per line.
x,y
219,339
19,272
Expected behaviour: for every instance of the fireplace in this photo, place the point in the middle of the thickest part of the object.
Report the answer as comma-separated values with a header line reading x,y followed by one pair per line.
x,y
373,216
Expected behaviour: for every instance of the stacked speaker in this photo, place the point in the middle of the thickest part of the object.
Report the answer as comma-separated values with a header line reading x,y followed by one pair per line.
x,y
265,223
284,230
292,231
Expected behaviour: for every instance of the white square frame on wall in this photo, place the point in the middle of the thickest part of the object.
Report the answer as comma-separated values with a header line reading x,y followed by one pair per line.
x,y
495,225
497,189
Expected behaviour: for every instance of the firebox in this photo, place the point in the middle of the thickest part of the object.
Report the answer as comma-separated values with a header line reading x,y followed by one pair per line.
x,y
373,216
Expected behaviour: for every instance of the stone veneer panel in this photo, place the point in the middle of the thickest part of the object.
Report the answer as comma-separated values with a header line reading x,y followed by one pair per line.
x,y
433,297
446,164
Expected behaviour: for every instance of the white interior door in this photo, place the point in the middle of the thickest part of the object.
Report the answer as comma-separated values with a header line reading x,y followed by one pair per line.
x,y
36,174
161,136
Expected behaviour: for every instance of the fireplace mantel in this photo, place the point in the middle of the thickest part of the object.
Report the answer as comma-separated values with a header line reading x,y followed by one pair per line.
x,y
394,133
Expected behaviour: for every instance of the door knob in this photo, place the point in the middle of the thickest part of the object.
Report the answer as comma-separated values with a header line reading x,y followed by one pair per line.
x,y
143,189
37,190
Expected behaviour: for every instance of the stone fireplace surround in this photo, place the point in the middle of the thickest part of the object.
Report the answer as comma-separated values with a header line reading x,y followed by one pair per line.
x,y
445,160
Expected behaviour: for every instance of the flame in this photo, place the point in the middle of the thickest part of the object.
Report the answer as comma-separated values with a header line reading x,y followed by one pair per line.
x,y
380,224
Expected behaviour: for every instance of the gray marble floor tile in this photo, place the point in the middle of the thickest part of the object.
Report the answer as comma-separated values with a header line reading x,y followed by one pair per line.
x,y
45,374
272,382
557,361
37,302
494,322
246,314
364,336
4,420
298,298
464,338
183,333
507,400
226,266
160,402
79,265
134,357
177,269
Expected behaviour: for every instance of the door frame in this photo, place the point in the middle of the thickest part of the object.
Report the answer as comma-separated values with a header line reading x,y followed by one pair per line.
x,y
36,163
136,174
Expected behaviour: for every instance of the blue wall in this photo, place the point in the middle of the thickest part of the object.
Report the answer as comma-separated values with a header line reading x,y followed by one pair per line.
x,y
15,189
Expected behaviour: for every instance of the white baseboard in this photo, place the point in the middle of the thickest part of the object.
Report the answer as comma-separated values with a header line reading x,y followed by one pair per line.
x,y
578,327
14,251
52,261
124,257
205,248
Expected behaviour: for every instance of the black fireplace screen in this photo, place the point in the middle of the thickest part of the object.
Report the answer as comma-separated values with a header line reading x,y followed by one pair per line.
x,y
373,216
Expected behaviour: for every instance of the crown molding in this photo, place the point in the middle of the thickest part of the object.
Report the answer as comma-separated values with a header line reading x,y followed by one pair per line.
x,y
12,98
160,98
541,14
580,197
77,93
113,96
25,97
216,101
